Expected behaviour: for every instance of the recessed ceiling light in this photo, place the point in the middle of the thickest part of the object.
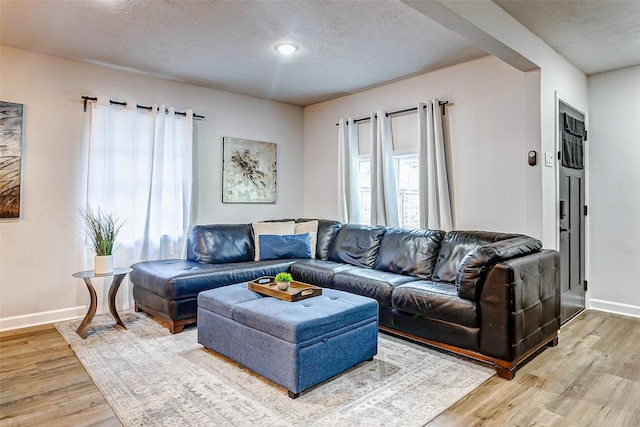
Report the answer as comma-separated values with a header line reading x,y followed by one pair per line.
x,y
286,48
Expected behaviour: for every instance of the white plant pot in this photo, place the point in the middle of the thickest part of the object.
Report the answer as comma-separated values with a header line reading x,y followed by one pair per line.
x,y
103,264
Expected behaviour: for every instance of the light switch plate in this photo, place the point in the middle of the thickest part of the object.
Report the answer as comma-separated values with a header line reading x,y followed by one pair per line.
x,y
548,159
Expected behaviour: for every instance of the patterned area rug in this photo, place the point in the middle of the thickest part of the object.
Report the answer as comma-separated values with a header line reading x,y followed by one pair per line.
x,y
153,378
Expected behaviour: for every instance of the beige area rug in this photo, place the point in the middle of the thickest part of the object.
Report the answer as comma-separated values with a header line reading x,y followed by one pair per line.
x,y
153,378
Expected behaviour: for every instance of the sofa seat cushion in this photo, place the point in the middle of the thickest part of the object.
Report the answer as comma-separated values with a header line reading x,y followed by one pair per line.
x,y
370,283
436,300
317,272
178,279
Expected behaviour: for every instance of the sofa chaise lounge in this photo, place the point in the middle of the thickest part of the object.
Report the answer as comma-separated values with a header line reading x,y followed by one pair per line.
x,y
494,297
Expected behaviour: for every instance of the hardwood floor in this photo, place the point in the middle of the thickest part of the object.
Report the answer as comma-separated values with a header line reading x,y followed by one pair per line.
x,y
42,383
591,379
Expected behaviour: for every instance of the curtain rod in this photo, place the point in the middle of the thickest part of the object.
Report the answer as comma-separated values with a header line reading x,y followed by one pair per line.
x,y
393,113
142,107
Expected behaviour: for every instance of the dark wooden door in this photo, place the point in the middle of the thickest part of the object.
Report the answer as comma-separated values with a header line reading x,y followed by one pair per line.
x,y
572,210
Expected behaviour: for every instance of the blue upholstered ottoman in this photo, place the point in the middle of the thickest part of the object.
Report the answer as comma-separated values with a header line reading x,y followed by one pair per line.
x,y
295,344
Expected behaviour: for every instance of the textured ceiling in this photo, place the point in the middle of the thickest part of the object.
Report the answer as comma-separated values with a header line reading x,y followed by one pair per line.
x,y
595,36
346,45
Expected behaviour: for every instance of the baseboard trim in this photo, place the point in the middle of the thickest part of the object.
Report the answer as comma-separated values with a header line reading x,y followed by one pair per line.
x,y
41,318
614,307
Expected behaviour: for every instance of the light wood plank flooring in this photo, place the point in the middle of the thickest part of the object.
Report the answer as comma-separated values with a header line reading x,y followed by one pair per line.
x,y
42,383
591,379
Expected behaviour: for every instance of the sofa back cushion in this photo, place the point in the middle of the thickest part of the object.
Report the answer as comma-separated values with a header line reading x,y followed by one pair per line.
x,y
409,252
220,243
456,245
327,231
357,244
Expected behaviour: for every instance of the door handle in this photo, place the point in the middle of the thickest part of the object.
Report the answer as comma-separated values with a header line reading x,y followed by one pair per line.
x,y
565,229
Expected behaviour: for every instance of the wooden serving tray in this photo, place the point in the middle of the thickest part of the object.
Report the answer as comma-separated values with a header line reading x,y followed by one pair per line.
x,y
297,290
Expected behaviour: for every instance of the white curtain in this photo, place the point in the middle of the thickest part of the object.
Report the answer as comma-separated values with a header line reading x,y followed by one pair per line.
x,y
435,199
140,169
384,194
348,184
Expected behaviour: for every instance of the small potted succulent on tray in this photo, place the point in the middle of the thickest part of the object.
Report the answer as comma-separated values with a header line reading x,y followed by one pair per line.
x,y
282,280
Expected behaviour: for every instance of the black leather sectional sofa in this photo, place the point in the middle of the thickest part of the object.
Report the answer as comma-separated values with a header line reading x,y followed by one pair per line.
x,y
491,296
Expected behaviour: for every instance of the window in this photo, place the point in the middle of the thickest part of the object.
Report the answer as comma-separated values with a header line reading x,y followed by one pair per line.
x,y
364,177
407,178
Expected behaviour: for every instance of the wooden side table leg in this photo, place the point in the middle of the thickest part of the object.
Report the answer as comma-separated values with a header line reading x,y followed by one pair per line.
x,y
113,290
88,318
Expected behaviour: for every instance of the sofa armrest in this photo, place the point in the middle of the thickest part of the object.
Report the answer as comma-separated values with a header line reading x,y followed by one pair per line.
x,y
476,264
520,305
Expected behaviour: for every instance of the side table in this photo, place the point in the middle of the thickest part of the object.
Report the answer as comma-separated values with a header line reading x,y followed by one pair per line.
x,y
118,276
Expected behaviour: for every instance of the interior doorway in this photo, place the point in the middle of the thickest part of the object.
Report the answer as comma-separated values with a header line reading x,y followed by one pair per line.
x,y
572,210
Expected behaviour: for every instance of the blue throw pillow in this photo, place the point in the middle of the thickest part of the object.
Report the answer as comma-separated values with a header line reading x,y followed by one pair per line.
x,y
285,246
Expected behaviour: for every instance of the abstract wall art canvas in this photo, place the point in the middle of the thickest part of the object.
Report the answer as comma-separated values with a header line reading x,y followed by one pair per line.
x,y
248,171
11,119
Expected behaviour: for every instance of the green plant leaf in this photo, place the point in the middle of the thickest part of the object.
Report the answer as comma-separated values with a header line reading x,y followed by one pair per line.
x,y
102,230
283,277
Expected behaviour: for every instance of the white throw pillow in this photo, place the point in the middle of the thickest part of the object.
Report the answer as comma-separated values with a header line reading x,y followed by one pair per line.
x,y
310,227
277,228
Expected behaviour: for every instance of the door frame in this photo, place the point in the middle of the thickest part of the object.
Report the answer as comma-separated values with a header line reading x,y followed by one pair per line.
x,y
557,147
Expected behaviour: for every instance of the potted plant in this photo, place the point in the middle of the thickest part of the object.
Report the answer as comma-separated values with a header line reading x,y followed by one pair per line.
x,y
282,280
102,229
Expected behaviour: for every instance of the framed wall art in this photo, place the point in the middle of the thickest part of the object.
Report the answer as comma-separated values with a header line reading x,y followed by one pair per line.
x,y
11,124
248,171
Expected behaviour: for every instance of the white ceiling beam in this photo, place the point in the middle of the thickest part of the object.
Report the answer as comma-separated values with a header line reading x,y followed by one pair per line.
x,y
448,14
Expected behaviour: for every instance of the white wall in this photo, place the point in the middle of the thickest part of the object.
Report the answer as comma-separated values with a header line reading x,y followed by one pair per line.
x,y
610,103
493,121
614,208
557,75
39,252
